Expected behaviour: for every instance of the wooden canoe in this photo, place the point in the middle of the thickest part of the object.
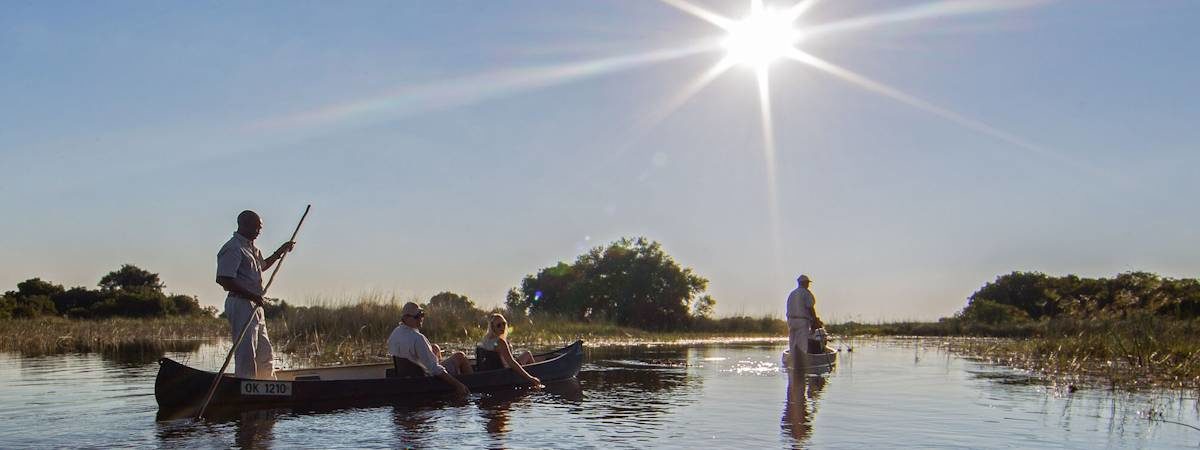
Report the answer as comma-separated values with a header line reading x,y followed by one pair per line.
x,y
179,386
817,362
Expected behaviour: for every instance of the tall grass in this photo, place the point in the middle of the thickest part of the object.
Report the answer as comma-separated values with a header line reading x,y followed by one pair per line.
x,y
945,327
351,330
52,335
1139,349
357,330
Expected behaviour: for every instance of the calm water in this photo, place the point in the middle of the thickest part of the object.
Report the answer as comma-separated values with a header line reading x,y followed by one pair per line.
x,y
886,393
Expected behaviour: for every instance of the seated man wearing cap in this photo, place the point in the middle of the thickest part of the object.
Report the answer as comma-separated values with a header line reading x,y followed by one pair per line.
x,y
801,316
408,343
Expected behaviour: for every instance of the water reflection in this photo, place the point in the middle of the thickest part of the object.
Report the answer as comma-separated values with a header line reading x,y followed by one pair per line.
x,y
414,423
633,397
496,407
495,411
139,353
800,406
255,429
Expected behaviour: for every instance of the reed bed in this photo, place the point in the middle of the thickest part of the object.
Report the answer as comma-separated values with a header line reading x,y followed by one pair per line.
x,y
55,335
1139,349
1133,352
357,331
347,331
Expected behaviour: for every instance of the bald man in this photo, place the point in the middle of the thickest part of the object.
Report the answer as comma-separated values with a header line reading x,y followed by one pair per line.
x,y
239,271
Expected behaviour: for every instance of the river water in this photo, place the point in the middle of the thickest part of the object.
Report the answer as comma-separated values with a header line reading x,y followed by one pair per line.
x,y
885,393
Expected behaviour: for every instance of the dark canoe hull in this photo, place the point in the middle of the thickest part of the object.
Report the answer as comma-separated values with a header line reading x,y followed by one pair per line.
x,y
178,386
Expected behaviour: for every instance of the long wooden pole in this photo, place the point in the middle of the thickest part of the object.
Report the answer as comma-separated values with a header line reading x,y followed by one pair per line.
x,y
217,380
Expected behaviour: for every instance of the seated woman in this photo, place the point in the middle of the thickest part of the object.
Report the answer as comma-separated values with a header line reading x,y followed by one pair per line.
x,y
493,352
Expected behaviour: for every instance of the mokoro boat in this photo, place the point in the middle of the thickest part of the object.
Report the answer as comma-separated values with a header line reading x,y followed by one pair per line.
x,y
180,386
817,362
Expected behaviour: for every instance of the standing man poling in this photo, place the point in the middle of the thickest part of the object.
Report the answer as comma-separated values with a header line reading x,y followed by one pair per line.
x,y
239,271
801,317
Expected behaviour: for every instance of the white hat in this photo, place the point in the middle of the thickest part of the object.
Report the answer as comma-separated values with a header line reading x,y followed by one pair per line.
x,y
410,309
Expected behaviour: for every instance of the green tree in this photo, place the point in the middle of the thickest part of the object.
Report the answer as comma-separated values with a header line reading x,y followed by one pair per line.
x,y
1183,298
130,277
705,307
35,287
32,298
33,306
211,311
631,282
77,301
7,304
549,291
1039,295
515,303
449,301
185,305
1027,291
993,313
134,302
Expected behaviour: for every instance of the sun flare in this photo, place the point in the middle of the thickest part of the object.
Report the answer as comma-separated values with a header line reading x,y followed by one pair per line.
x,y
766,35
760,38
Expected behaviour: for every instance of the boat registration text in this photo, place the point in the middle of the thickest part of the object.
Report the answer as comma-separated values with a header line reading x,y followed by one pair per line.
x,y
266,388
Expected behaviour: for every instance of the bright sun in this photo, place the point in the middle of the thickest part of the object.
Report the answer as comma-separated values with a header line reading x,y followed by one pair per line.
x,y
760,38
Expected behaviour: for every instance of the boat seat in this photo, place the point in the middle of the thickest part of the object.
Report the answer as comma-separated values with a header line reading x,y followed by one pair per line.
x,y
403,368
487,360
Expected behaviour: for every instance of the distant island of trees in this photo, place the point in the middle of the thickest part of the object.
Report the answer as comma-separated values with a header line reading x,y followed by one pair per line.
x,y
1030,296
126,292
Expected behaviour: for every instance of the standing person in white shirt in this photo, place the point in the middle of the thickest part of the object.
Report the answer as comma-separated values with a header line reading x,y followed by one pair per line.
x,y
801,316
239,270
408,343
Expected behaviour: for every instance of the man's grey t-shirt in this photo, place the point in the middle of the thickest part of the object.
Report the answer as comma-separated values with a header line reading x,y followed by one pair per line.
x,y
241,260
799,302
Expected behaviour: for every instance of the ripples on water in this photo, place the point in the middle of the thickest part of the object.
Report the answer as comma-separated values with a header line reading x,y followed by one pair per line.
x,y
887,393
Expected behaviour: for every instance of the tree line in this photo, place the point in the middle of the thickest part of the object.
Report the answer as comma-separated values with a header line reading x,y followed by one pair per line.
x,y
1029,296
631,282
126,292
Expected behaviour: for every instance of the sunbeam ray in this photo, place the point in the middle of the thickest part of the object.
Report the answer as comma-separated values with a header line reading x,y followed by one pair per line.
x,y
684,94
799,9
895,94
922,12
439,95
768,132
704,14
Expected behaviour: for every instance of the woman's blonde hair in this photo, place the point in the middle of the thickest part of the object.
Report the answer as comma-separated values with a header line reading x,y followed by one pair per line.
x,y
492,325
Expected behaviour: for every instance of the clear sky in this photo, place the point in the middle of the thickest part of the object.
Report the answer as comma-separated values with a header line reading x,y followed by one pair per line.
x,y
462,145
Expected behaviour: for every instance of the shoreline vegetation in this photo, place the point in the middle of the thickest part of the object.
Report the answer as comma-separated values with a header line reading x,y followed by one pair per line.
x,y
1135,329
331,336
1136,352
1133,352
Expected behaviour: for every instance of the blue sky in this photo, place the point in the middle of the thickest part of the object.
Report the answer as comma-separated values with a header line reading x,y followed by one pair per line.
x,y
461,145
